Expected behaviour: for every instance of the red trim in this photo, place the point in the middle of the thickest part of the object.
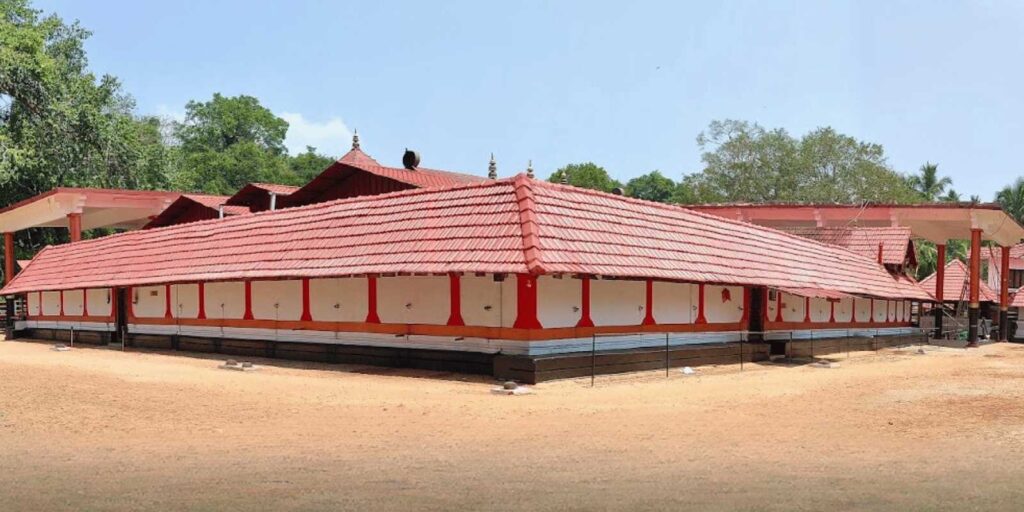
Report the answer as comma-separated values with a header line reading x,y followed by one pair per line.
x,y
778,305
62,303
817,325
202,301
701,319
975,268
307,316
649,298
871,315
168,311
455,294
248,301
526,302
85,302
585,320
745,319
371,291
130,307
832,315
765,307
807,309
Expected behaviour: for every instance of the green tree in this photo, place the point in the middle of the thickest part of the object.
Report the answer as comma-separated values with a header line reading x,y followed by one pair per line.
x,y
585,175
928,184
228,142
743,162
952,196
1011,198
652,186
308,165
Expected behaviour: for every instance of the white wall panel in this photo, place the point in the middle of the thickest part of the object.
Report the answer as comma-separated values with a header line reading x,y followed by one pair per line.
x,y
844,310
723,304
225,299
793,309
277,300
863,310
339,300
413,300
772,305
615,302
821,310
482,303
99,301
185,300
34,306
74,302
559,301
51,303
880,311
149,301
672,303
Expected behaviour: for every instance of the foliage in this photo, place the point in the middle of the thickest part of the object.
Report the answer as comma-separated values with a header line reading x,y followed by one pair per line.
x,y
306,166
652,186
927,254
930,186
744,162
1011,198
586,175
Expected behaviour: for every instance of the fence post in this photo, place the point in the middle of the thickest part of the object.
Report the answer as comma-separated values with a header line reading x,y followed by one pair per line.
x,y
593,358
742,335
666,356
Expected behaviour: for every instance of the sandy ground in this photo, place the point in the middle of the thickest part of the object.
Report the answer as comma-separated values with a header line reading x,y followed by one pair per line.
x,y
95,429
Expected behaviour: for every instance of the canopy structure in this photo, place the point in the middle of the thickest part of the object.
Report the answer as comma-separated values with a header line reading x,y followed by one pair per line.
x,y
517,225
935,222
955,283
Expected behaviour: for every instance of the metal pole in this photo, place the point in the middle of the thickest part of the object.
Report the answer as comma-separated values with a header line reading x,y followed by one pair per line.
x,y
741,351
593,358
72,336
666,356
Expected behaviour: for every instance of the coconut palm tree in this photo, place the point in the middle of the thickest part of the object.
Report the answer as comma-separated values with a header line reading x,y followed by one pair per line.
x,y
928,183
952,196
1011,198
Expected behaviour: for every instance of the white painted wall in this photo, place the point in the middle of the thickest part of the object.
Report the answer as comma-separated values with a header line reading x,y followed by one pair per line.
x,y
185,301
489,303
33,304
908,310
615,302
723,304
74,302
413,300
149,301
821,310
863,309
772,305
100,301
225,299
891,313
559,301
844,310
277,300
339,300
51,303
673,303
793,309
880,311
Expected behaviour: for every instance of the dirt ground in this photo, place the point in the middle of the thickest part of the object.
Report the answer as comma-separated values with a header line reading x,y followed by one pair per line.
x,y
95,429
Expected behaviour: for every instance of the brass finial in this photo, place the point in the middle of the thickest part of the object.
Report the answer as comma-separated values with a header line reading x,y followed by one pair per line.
x,y
355,139
492,169
565,177
529,168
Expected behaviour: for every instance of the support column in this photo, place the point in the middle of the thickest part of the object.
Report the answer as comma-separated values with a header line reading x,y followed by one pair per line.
x,y
8,257
526,302
1004,295
371,300
585,320
974,307
940,283
75,226
455,300
649,304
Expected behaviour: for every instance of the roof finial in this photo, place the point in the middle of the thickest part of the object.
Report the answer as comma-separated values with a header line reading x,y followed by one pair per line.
x,y
492,169
529,169
565,177
355,139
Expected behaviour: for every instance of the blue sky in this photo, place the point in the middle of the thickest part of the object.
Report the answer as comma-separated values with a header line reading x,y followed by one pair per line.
x,y
627,85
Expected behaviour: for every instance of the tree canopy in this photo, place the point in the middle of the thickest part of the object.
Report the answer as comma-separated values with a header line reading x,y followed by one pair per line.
x,y
585,175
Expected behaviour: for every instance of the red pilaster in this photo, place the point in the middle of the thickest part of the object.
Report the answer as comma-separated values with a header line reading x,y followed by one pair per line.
x,y
85,302
975,268
202,301
168,312
745,319
62,303
701,319
75,226
1004,279
248,301
807,309
778,305
871,316
455,300
526,302
832,314
940,272
649,307
129,292
371,288
585,320
307,316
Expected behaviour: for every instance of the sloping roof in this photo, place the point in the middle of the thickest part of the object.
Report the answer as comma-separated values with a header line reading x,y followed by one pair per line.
x,y
192,208
256,196
275,188
896,244
995,257
954,282
356,161
515,225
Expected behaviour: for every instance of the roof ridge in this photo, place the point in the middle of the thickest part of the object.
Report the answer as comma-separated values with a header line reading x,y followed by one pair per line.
x,y
528,223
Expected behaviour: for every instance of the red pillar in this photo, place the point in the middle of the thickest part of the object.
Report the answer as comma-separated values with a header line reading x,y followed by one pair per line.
x,y
455,299
585,320
8,257
75,226
202,301
61,303
1004,295
85,302
307,315
371,290
168,313
248,301
974,307
807,309
745,319
778,305
940,271
832,314
701,319
649,308
526,302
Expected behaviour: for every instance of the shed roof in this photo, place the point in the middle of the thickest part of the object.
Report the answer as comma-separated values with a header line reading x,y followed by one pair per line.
x,y
897,247
193,207
954,282
514,225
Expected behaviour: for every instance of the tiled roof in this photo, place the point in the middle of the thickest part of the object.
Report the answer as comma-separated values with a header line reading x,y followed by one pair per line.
x,y
275,188
995,257
954,282
192,208
515,225
895,241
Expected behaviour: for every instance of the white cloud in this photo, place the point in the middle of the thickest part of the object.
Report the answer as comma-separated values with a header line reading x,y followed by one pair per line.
x,y
167,113
329,137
